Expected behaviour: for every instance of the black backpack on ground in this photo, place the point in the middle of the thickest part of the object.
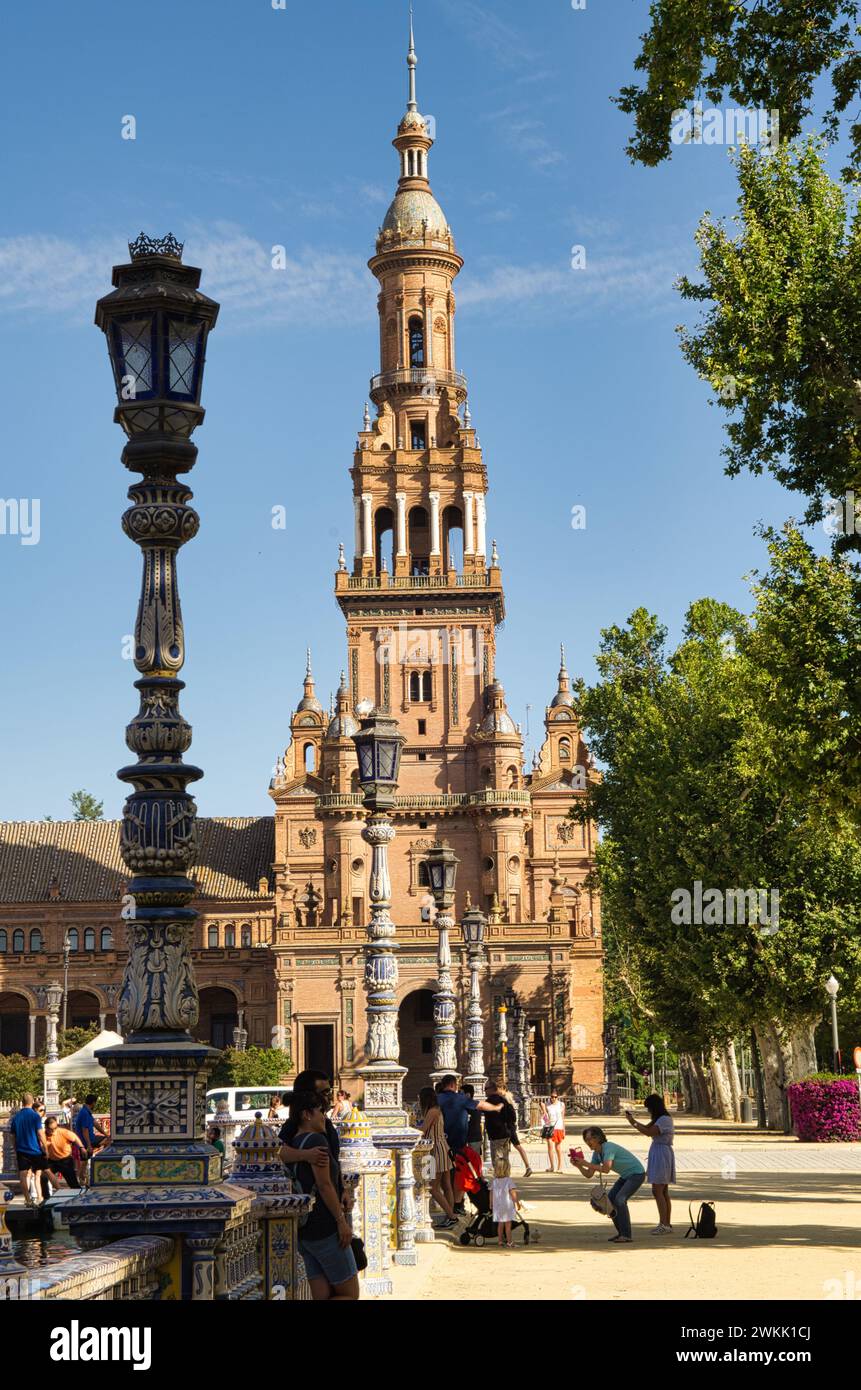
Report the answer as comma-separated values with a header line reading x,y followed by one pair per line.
x,y
705,1226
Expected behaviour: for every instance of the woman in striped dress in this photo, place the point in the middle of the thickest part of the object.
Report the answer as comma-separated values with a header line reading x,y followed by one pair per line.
x,y
433,1128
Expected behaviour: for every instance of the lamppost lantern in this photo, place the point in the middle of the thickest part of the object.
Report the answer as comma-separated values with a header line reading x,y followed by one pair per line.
x,y
510,999
156,322
378,746
831,987
54,996
473,925
442,865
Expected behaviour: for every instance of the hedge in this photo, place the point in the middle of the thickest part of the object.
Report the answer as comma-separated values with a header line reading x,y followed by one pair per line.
x,y
825,1111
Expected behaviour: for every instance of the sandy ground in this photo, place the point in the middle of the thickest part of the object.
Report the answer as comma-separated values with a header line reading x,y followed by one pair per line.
x,y
781,1235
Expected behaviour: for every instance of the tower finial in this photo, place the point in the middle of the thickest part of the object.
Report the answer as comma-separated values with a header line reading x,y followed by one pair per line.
x,y
307,662
412,62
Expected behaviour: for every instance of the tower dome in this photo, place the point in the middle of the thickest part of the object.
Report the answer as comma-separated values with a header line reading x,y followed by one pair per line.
x,y
342,724
563,695
309,700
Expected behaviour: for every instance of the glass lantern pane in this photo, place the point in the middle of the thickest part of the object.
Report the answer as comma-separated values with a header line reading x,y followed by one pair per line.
x,y
366,762
136,364
387,752
182,348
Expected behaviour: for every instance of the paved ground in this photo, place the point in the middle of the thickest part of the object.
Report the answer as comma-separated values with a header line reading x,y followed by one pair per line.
x,y
789,1227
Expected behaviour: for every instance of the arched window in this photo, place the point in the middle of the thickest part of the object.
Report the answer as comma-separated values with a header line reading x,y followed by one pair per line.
x,y
419,541
106,940
35,939
245,935
72,938
452,539
17,941
230,935
427,687
417,342
212,937
354,781
564,750
308,754
415,687
4,942
513,777
384,533
89,939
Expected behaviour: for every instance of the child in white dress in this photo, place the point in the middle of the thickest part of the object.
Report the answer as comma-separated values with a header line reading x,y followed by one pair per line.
x,y
504,1195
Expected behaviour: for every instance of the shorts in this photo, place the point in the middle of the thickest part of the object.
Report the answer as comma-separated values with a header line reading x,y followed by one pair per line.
x,y
35,1162
326,1259
500,1150
557,1136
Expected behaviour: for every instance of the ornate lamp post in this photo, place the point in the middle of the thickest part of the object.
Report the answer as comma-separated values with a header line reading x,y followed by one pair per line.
x,y
67,951
378,745
520,1087
652,1063
53,999
442,865
831,988
503,1038
156,322
473,925
240,1033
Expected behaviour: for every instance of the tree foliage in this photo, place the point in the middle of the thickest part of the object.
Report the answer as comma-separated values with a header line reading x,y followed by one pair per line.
x,y
758,54
781,344
256,1066
725,762
86,807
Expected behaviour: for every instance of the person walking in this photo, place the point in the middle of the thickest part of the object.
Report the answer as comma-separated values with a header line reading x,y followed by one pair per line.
x,y
325,1240
632,1175
31,1148
433,1128
514,1137
661,1162
504,1198
61,1144
553,1130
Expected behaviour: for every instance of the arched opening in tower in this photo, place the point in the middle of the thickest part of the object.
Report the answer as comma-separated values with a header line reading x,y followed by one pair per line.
x,y
419,541
384,539
452,539
417,342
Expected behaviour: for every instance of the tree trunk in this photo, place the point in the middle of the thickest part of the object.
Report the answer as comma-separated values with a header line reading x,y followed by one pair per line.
x,y
734,1079
686,1083
756,1064
776,1053
803,1051
722,1093
705,1104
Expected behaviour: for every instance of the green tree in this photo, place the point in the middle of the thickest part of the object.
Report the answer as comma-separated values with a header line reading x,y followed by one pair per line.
x,y
17,1075
86,807
758,54
256,1066
692,791
781,345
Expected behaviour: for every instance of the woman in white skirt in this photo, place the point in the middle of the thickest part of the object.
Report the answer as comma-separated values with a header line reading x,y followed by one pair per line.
x,y
661,1164
433,1128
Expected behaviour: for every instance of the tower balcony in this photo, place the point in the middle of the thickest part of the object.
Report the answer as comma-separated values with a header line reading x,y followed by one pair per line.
x,y
481,579
417,380
336,803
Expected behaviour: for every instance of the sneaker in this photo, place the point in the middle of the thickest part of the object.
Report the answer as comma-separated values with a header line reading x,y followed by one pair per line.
x,y
448,1224
619,1240
528,1173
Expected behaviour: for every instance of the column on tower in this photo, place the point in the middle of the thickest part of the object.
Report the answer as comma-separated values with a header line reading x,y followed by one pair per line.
x,y
435,532
357,507
481,524
428,321
367,526
468,528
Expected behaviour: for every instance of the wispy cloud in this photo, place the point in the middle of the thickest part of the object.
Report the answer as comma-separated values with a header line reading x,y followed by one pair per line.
x,y
46,274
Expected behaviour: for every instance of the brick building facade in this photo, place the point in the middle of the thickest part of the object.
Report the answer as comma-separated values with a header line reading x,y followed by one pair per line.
x,y
283,899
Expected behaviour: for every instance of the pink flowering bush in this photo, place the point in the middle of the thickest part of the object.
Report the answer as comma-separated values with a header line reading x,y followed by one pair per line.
x,y
825,1110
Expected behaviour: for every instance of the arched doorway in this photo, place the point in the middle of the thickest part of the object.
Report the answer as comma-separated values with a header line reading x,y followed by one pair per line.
x,y
415,1032
14,1028
218,1017
83,1009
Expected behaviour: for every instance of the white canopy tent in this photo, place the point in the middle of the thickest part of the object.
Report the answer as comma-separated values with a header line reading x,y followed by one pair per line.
x,y
81,1065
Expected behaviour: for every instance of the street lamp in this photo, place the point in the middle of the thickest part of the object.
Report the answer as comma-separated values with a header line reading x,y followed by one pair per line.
x,y
503,1039
473,927
652,1068
53,1000
378,747
442,865
831,988
664,1080
518,1020
67,951
240,1033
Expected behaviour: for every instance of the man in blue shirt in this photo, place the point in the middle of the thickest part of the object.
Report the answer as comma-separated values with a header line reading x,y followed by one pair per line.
x,y
456,1108
84,1125
30,1147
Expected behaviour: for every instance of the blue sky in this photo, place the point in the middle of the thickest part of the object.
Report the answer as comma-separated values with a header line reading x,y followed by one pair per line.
x,y
258,127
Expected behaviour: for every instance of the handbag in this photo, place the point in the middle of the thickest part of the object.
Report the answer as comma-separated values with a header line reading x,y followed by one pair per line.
x,y
358,1248
599,1200
546,1131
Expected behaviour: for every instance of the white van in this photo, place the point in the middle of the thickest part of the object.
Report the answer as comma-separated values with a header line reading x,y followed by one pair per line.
x,y
244,1101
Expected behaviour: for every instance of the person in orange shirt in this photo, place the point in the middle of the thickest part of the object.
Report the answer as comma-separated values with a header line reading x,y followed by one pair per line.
x,y
61,1144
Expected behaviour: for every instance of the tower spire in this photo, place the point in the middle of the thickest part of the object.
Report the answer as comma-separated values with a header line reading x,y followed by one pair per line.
x,y
412,63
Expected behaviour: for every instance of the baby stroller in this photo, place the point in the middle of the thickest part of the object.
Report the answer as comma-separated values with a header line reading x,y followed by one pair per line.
x,y
482,1226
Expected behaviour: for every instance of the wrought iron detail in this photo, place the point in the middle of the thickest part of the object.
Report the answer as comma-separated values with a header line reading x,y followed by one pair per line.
x,y
144,245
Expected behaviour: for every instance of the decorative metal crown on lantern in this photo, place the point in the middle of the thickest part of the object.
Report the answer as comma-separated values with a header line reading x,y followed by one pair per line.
x,y
145,245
